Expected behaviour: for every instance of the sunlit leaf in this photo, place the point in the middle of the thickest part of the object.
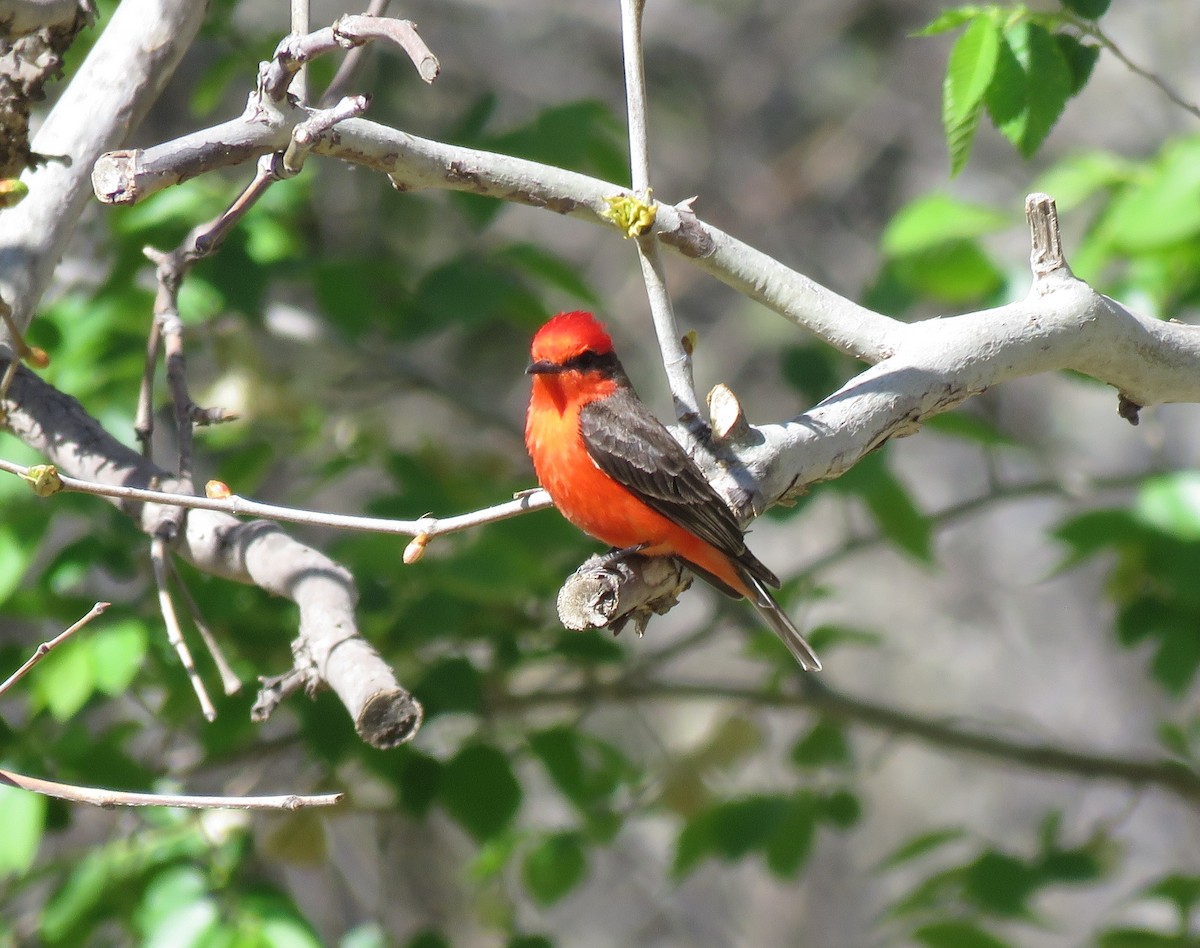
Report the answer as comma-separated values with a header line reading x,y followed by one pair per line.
x,y
1032,84
936,219
969,72
22,814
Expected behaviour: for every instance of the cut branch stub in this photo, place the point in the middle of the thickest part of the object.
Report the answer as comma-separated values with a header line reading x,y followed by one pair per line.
x,y
610,591
1047,253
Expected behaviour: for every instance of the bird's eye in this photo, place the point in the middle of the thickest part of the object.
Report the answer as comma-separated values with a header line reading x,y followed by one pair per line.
x,y
586,361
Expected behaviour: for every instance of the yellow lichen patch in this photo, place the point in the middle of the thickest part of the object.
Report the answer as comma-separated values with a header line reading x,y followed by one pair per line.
x,y
632,214
44,479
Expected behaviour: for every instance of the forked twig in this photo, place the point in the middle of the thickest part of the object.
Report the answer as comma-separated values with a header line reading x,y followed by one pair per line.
x,y
229,679
158,559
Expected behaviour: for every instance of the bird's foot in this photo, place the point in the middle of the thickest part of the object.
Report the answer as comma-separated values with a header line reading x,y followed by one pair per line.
x,y
616,554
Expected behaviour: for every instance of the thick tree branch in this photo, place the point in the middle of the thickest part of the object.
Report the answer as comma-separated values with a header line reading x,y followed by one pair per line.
x,y
120,78
920,369
328,647
413,163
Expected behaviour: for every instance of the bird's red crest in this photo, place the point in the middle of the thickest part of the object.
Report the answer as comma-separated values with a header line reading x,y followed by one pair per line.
x,y
568,335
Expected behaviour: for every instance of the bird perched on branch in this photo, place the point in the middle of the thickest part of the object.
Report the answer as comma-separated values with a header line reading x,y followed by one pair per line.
x,y
615,472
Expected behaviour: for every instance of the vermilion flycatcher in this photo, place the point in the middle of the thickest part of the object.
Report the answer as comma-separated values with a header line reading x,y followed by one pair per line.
x,y
616,473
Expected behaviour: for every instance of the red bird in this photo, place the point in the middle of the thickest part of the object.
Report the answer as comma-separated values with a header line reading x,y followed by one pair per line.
x,y
615,472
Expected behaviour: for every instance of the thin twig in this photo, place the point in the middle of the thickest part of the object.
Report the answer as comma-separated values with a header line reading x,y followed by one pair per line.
x,y
346,33
158,558
1047,758
536,499
676,360
143,425
229,679
96,796
46,647
350,62
301,24
1088,28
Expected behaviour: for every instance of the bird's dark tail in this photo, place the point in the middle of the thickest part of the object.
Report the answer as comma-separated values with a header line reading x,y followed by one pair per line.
x,y
782,626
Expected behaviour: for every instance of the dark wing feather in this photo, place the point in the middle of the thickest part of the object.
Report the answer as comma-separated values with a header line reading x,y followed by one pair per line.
x,y
632,447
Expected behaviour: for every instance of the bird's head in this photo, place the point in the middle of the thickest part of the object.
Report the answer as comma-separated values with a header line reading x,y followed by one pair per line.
x,y
572,343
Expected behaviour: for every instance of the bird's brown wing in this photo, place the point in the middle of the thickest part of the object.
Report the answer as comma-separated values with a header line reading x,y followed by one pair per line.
x,y
629,444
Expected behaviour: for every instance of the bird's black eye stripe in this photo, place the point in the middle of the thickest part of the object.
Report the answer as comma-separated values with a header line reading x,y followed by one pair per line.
x,y
589,361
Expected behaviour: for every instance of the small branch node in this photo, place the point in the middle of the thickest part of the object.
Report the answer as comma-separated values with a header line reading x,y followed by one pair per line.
x,y
1128,409
306,135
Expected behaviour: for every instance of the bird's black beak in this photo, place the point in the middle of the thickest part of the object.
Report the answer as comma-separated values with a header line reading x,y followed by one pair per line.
x,y
543,367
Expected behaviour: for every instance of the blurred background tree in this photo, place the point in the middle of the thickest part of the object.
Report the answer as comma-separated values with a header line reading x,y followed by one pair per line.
x,y
1002,750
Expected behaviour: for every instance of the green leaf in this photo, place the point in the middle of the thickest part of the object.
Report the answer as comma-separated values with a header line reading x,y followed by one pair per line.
x,y
1075,179
529,941
452,684
420,781
1000,883
554,867
193,924
551,270
168,897
470,291
479,790
428,939
955,934
585,770
1183,891
955,273
581,136
842,808
1177,658
1031,85
937,219
15,557
1080,58
1175,739
890,505
969,72
117,653
1171,503
1089,9
1162,207
969,427
65,679
790,845
918,846
730,830
810,370
23,816
824,745
949,20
